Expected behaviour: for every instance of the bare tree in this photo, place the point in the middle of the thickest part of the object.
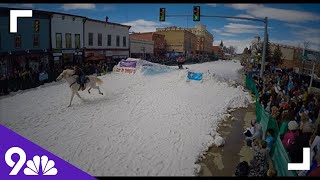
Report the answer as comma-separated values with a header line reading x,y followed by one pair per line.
x,y
306,44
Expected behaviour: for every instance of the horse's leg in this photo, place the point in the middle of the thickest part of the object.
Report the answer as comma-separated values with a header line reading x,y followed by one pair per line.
x,y
71,98
97,87
79,96
89,90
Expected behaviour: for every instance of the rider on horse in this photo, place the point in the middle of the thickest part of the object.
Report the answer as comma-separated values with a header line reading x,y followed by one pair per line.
x,y
81,77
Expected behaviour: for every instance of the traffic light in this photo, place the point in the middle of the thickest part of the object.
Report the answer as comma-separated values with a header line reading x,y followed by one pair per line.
x,y
162,14
36,26
196,13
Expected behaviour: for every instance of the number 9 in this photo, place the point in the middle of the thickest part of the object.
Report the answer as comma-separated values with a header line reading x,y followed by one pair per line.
x,y
16,165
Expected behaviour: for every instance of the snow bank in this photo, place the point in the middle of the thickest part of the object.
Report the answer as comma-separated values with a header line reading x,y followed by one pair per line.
x,y
148,126
148,68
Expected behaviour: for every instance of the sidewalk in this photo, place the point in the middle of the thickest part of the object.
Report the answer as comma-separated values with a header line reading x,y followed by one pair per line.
x,y
222,161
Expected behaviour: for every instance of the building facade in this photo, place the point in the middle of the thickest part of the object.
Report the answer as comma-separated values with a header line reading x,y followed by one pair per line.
x,y
218,51
179,40
143,49
292,58
204,39
159,42
67,39
256,45
105,40
29,47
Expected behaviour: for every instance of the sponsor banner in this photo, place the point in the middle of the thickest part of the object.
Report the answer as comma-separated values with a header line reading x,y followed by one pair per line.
x,y
131,64
195,76
125,70
22,159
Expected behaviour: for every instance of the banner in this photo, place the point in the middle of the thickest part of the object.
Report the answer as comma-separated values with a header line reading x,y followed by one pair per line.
x,y
195,76
125,70
131,64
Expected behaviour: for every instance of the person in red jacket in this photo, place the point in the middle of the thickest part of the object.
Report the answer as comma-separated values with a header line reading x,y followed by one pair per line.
x,y
180,61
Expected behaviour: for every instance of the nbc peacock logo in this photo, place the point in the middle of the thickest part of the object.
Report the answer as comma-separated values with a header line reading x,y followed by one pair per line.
x,y
47,166
36,166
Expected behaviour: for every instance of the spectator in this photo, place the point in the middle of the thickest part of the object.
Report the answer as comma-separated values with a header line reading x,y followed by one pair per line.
x,y
315,143
306,125
242,169
257,133
295,151
259,164
316,172
272,172
290,136
269,139
284,124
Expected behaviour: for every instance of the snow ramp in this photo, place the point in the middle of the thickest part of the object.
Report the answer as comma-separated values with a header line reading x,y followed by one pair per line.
x,y
132,65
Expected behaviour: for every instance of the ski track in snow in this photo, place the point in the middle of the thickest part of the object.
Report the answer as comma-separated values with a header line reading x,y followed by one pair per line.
x,y
143,125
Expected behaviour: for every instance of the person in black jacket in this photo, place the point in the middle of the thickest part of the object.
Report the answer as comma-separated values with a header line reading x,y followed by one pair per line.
x,y
81,77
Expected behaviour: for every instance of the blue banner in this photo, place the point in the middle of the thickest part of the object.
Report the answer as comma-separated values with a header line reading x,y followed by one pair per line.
x,y
195,76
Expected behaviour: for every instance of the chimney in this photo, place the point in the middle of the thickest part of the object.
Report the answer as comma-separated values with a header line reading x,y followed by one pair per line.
x,y
107,18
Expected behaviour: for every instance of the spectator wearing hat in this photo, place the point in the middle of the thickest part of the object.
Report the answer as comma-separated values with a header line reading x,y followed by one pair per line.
x,y
306,125
291,135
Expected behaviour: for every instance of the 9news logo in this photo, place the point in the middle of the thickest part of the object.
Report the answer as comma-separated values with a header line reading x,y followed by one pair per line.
x,y
33,166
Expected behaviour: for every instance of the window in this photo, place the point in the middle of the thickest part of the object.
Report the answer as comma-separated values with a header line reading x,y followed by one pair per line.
x,y
58,40
77,41
109,40
68,40
36,26
36,42
118,41
17,41
99,39
90,39
124,41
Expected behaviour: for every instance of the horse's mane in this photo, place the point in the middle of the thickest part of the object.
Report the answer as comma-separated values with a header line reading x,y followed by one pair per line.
x,y
68,71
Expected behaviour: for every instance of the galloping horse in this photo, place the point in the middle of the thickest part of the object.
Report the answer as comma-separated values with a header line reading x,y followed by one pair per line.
x,y
71,79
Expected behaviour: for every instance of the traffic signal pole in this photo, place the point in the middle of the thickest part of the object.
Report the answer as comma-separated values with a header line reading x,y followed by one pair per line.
x,y
265,21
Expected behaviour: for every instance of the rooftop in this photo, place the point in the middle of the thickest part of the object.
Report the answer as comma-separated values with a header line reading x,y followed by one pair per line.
x,y
4,9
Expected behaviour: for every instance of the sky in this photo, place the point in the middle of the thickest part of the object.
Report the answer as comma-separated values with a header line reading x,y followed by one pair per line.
x,y
290,24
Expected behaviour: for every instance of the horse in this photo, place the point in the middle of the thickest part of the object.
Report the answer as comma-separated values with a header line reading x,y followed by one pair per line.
x,y
68,75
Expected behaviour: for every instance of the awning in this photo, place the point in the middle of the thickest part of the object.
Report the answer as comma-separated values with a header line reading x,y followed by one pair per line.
x,y
96,57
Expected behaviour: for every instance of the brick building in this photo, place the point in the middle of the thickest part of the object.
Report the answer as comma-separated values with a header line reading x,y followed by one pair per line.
x,y
292,58
179,40
218,51
159,41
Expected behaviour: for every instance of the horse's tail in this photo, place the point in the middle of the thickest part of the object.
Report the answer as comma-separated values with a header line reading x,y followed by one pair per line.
x,y
99,81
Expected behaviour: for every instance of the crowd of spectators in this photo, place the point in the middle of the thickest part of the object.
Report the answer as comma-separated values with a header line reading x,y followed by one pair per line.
x,y
26,78
284,95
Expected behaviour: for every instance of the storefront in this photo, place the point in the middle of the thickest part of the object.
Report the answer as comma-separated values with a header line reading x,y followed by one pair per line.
x,y
63,58
21,60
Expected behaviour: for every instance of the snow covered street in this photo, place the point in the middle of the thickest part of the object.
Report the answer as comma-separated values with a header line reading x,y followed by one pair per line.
x,y
155,125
